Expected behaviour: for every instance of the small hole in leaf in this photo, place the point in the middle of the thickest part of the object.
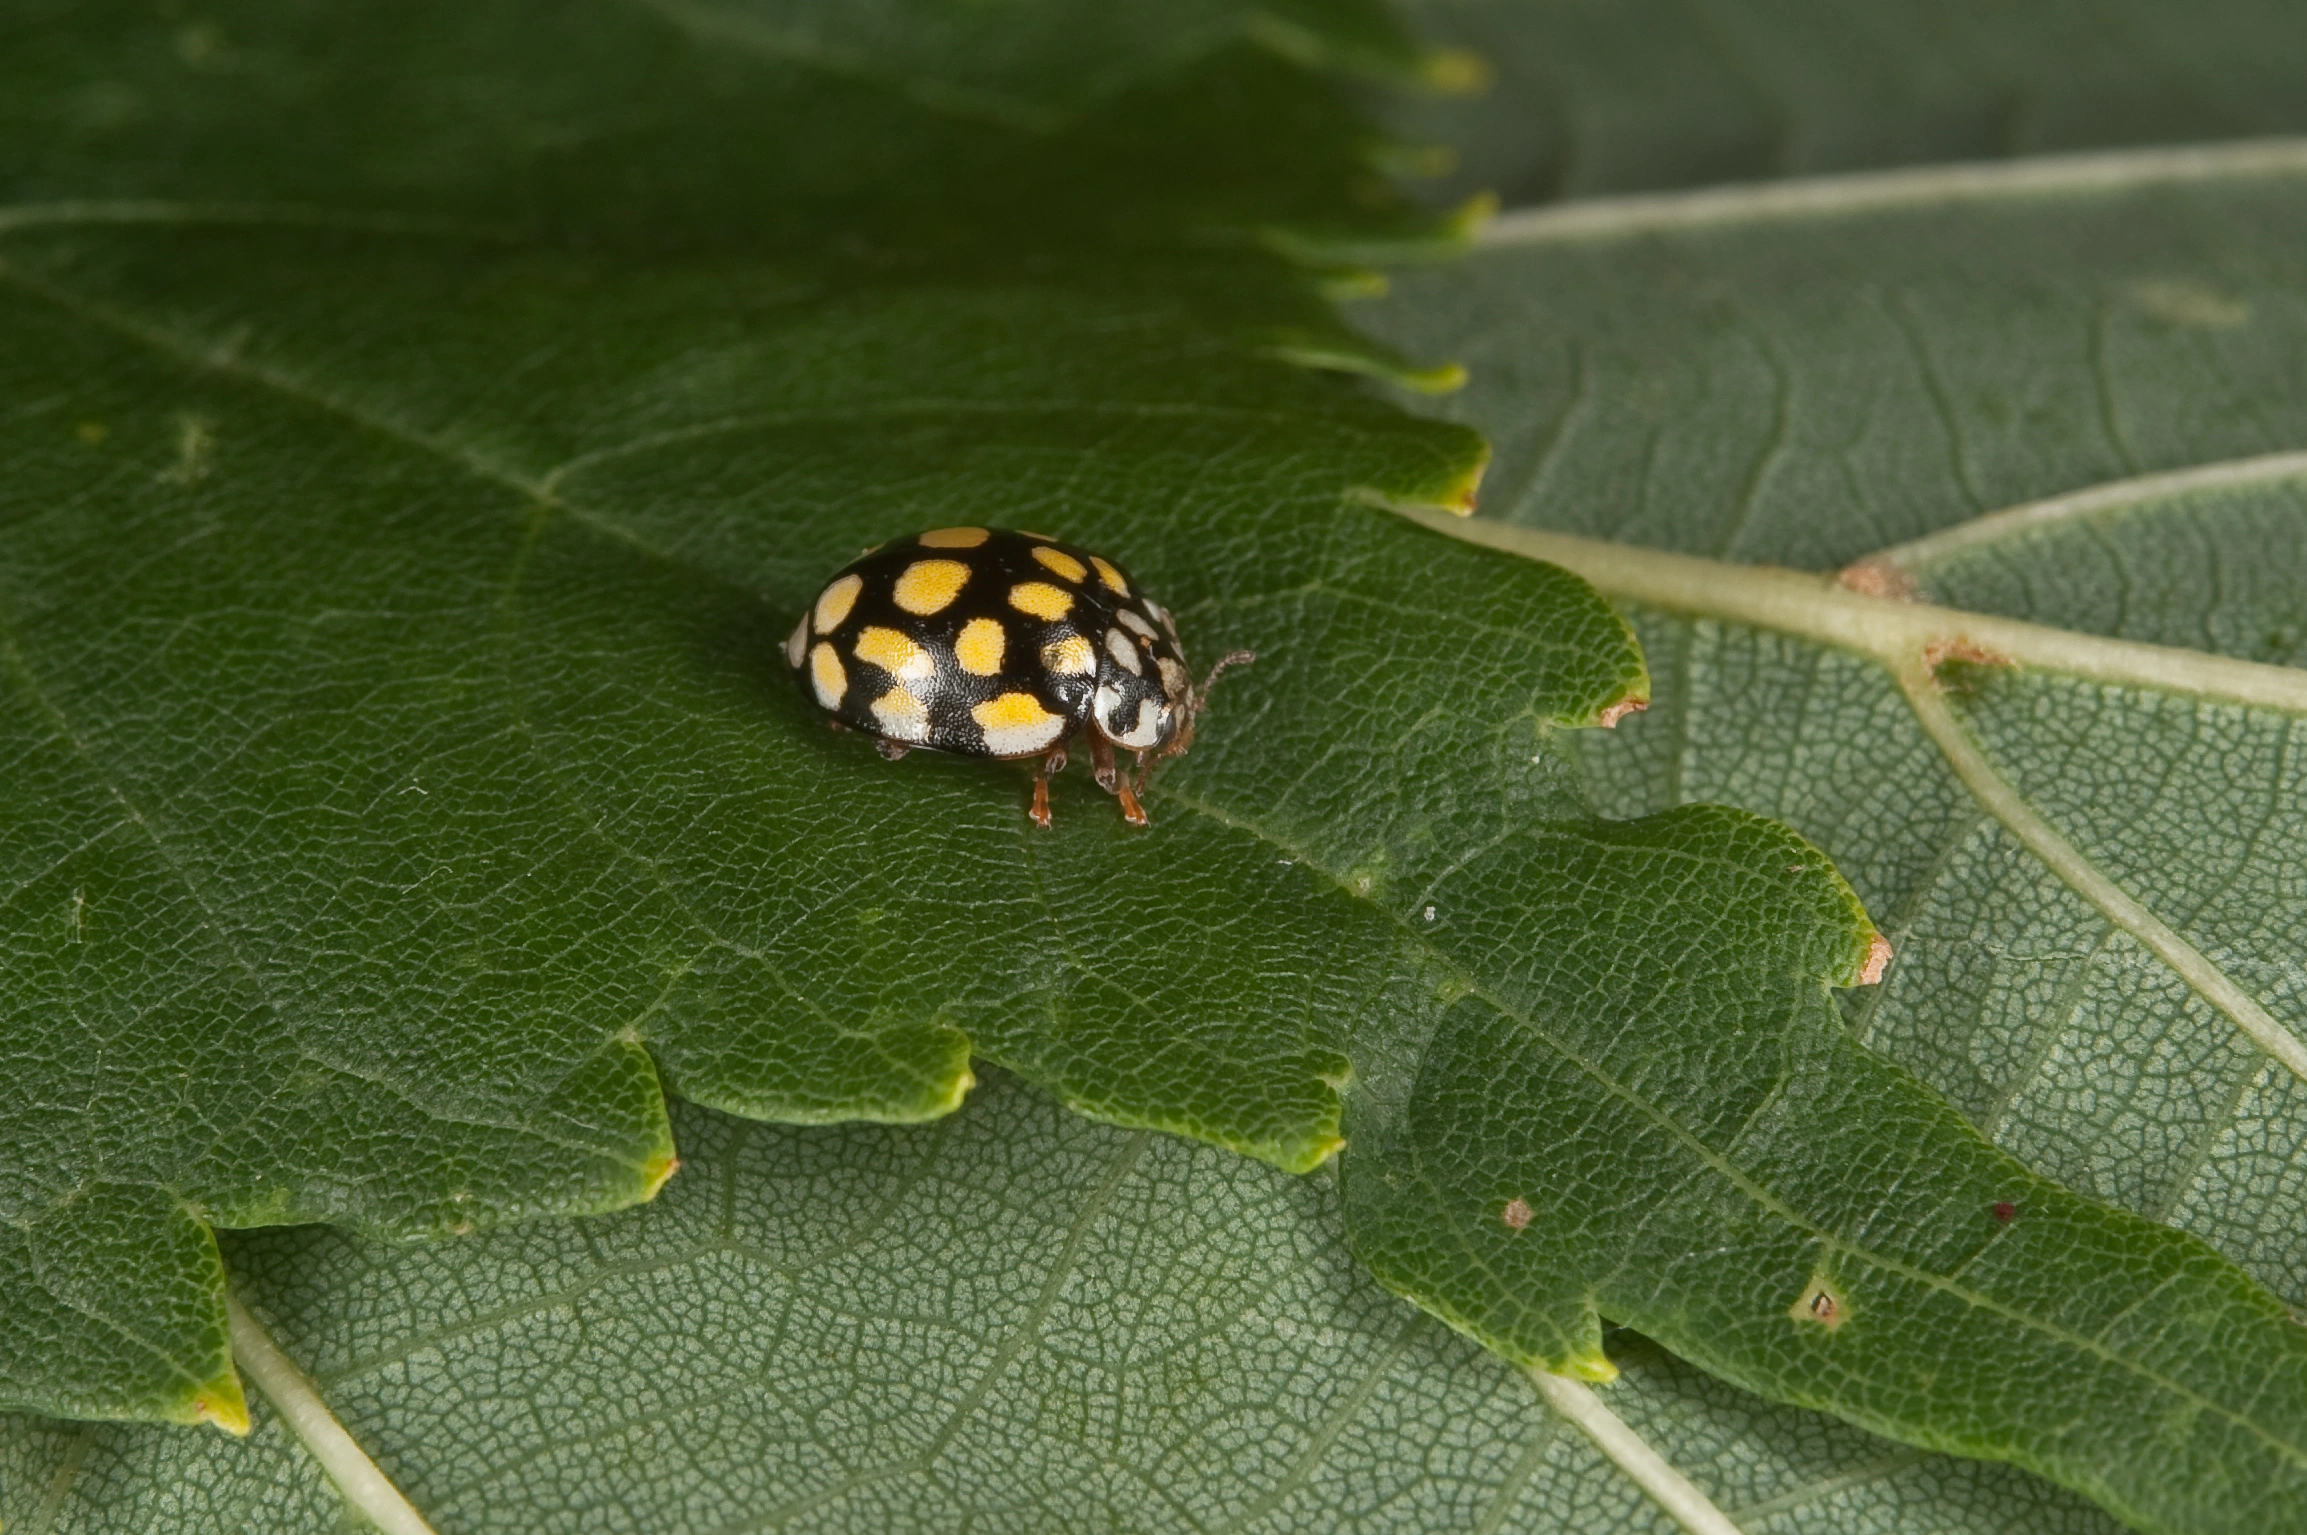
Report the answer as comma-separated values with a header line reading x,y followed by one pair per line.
x,y
1821,1304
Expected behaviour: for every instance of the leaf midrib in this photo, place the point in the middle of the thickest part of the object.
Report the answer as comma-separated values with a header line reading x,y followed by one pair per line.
x,y
1601,219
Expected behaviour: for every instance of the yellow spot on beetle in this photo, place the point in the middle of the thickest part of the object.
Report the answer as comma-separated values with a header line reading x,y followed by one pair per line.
x,y
1110,576
826,675
1040,599
1061,562
980,645
834,603
1069,657
1016,723
894,653
927,586
902,716
954,538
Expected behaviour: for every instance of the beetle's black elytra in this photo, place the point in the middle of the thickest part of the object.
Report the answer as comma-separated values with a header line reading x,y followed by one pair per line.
x,y
991,643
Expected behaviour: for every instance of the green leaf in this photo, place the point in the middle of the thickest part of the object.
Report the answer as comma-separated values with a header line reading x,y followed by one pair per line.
x,y
249,1030
2086,859
1585,99
481,699
392,611
1014,1318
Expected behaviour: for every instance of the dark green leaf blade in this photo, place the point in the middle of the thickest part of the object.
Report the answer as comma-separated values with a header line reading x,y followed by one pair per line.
x,y
495,115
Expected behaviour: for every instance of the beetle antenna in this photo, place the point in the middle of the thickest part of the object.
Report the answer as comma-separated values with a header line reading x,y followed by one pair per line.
x,y
1226,662
1177,744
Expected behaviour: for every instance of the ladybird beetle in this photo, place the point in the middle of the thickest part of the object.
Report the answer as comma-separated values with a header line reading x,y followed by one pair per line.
x,y
991,643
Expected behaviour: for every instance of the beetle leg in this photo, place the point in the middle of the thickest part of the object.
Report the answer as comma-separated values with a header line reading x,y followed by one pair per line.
x,y
1132,809
1051,764
1101,763
890,749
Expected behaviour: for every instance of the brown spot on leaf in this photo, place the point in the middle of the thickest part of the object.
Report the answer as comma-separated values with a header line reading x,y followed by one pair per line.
x,y
1820,1304
1619,710
1517,1213
1876,578
1938,652
1877,960
2005,1211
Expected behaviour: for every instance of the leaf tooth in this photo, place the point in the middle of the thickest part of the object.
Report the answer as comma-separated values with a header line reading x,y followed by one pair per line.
x,y
1878,957
655,1171
1632,703
221,1402
1588,1364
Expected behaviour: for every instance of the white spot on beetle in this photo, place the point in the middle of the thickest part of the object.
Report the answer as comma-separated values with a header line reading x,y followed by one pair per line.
x,y
1146,731
901,716
1016,724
